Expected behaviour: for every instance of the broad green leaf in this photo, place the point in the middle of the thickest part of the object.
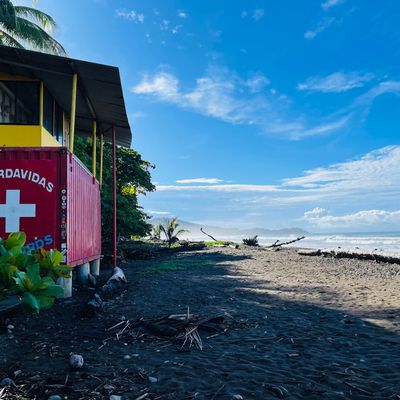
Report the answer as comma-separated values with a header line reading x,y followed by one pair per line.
x,y
31,301
56,257
16,239
33,274
52,291
45,301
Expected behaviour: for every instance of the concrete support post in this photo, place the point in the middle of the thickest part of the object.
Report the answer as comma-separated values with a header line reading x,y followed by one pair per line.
x,y
82,273
66,284
95,267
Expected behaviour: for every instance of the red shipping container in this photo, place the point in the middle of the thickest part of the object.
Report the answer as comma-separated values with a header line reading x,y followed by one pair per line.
x,y
51,196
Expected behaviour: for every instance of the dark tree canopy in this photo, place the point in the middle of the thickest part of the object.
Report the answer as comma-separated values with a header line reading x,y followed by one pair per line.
x,y
133,177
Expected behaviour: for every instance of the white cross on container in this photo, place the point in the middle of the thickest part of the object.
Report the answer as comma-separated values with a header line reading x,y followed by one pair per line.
x,y
13,211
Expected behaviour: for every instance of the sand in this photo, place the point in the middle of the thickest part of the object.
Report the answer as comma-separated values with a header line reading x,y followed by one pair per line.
x,y
300,328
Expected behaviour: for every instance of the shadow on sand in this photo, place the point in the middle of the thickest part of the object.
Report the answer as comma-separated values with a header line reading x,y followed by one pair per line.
x,y
314,352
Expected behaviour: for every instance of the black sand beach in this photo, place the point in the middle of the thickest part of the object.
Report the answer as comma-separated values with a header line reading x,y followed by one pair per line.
x,y
296,327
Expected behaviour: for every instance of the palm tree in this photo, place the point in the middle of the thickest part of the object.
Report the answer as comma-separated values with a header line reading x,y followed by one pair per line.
x,y
156,232
171,231
22,27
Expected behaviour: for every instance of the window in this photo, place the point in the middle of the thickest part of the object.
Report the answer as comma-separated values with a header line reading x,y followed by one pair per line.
x,y
58,123
48,111
19,103
52,116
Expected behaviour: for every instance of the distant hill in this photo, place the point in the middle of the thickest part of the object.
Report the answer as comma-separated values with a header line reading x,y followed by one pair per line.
x,y
221,233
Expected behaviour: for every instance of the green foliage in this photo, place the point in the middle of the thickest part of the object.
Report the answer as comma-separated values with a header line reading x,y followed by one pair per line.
x,y
133,178
171,231
156,232
22,26
30,275
219,243
253,241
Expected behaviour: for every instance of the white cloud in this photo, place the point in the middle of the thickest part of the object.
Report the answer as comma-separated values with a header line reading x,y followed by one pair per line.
x,y
221,94
331,196
175,29
336,82
130,15
377,169
258,13
376,172
321,26
355,220
218,188
200,180
154,212
182,14
163,85
257,82
164,25
314,213
327,4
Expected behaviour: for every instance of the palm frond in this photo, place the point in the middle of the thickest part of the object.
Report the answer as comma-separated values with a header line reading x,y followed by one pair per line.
x,y
7,40
36,37
7,14
44,20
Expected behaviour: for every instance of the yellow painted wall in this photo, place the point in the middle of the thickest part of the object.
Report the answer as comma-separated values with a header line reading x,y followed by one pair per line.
x,y
26,136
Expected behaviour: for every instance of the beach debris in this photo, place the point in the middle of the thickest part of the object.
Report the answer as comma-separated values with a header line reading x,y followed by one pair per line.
x,y
309,252
152,379
54,397
76,361
115,397
115,284
184,328
279,244
142,396
278,391
356,253
237,397
6,382
211,237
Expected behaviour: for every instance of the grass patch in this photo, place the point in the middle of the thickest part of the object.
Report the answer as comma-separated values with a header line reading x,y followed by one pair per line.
x,y
219,243
176,265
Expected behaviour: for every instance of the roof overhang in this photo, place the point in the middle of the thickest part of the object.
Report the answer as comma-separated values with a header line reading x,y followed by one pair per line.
x,y
99,98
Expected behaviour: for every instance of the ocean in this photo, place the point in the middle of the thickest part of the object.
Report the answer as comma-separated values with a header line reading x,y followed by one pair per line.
x,y
369,241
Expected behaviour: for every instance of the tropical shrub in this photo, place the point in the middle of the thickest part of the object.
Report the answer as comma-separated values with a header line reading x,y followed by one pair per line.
x,y
133,178
156,232
30,275
252,241
171,231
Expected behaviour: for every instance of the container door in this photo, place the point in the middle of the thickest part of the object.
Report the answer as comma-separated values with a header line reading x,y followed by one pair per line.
x,y
29,196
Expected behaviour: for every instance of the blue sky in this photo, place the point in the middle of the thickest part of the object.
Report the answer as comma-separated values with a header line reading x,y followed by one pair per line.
x,y
256,113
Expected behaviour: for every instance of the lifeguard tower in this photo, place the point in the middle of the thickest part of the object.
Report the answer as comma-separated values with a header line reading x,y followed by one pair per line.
x,y
45,191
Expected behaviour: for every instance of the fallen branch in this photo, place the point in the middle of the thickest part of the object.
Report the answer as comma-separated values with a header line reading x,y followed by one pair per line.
x,y
212,237
359,254
277,244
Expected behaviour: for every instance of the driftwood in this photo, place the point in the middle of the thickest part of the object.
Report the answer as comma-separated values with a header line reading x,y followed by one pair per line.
x,y
115,284
277,244
359,254
212,237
